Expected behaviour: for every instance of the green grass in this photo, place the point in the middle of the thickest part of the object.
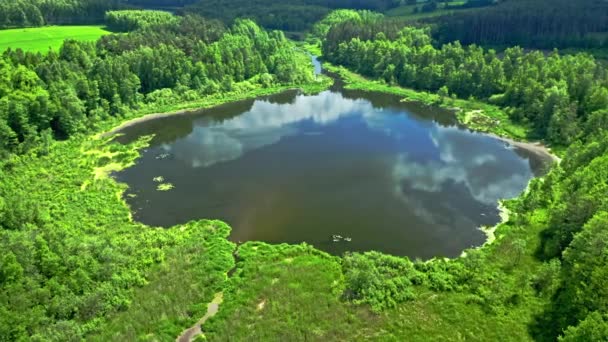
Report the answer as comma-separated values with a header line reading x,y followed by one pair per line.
x,y
41,39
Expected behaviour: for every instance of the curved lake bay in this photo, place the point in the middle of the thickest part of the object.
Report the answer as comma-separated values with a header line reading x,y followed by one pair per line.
x,y
400,178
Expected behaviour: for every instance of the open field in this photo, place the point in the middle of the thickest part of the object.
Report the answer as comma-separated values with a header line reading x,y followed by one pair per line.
x,y
40,39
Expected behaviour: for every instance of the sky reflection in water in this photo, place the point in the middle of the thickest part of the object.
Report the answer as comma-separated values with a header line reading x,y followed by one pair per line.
x,y
398,178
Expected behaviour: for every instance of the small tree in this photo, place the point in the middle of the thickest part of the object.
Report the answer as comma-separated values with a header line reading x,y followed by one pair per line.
x,y
443,93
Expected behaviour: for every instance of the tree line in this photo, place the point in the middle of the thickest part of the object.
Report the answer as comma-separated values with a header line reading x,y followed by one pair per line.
x,y
60,94
131,20
557,95
545,24
21,13
291,15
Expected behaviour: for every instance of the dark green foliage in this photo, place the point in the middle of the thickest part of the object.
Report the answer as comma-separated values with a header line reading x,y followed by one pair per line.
x,y
291,15
19,13
579,197
543,24
583,290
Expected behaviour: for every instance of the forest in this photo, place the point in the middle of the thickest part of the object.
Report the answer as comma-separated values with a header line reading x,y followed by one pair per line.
x,y
20,13
76,266
541,24
61,94
292,15
557,95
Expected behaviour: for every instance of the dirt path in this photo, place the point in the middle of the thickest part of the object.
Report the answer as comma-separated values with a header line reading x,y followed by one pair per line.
x,y
189,334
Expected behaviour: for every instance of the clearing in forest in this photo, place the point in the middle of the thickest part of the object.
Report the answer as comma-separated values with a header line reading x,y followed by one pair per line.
x,y
40,39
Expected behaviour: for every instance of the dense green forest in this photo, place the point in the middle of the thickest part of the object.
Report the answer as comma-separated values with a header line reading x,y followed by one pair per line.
x,y
19,13
544,24
557,95
76,266
61,94
292,15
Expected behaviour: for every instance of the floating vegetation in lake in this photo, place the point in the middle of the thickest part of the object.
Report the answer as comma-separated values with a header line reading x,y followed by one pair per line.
x,y
159,179
165,187
339,238
163,156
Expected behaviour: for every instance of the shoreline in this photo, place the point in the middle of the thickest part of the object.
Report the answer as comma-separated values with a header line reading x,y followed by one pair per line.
x,y
188,110
535,147
152,116
347,76
141,116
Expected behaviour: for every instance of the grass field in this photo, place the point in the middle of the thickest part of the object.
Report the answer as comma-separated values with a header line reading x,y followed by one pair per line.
x,y
40,39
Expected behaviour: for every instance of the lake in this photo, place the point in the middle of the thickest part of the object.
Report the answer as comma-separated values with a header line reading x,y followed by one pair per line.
x,y
401,178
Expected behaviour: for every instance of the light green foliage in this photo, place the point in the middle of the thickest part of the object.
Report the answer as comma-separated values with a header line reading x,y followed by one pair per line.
x,y
379,280
70,246
41,39
129,20
164,307
593,328
286,292
321,28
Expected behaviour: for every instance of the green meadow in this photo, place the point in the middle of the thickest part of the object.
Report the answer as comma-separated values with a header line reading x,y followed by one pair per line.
x,y
40,39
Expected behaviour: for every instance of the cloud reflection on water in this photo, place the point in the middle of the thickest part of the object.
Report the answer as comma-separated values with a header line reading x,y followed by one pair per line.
x,y
265,124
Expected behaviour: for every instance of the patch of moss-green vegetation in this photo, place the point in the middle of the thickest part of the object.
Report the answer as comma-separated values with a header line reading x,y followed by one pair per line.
x,y
164,187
